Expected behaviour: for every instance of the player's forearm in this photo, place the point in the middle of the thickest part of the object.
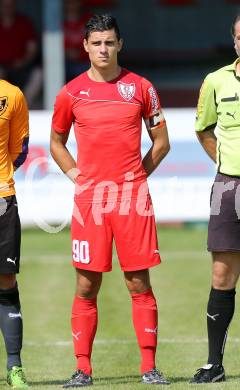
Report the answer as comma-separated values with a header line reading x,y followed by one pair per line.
x,y
154,156
64,160
18,149
18,159
208,141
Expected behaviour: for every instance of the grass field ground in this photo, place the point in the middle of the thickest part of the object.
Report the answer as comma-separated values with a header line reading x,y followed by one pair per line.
x,y
181,284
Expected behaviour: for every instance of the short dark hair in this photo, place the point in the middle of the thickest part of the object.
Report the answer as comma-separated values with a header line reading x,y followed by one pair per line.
x,y
235,20
101,23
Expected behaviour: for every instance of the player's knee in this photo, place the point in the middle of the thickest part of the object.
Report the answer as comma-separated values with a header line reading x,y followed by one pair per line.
x,y
145,300
223,280
88,291
137,288
86,294
9,296
137,282
88,284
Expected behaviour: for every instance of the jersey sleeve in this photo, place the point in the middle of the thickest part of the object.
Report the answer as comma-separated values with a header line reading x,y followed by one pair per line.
x,y
19,131
62,116
152,112
206,109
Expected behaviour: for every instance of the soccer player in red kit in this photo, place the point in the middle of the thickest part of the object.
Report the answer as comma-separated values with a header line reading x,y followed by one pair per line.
x,y
106,106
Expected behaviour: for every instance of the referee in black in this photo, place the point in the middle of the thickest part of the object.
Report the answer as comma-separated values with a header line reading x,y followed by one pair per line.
x,y
218,130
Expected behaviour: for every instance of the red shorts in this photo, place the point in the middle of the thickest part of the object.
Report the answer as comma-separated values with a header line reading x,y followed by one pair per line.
x,y
133,229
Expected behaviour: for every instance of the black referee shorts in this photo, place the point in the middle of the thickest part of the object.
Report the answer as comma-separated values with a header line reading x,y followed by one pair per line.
x,y
224,223
10,235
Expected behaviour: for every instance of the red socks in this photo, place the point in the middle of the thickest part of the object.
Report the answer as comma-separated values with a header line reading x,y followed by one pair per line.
x,y
84,326
145,321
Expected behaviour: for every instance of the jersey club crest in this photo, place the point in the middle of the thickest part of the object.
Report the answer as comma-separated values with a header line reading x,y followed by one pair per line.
x,y
3,104
127,91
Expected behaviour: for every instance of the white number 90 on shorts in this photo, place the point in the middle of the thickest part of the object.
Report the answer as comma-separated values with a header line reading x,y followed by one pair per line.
x,y
80,250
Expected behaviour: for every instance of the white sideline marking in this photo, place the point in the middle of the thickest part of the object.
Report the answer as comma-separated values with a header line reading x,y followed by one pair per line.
x,y
62,343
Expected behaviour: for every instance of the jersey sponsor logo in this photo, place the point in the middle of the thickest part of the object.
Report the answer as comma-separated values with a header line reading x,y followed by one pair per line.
x,y
3,104
154,99
127,91
85,92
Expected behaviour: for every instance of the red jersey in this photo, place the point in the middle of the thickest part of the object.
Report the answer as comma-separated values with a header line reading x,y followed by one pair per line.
x,y
107,119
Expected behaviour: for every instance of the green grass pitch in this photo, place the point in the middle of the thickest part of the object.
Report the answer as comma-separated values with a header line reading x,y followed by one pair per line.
x,y
181,284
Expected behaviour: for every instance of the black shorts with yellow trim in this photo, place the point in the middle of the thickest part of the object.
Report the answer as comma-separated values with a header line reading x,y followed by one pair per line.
x,y
10,235
224,223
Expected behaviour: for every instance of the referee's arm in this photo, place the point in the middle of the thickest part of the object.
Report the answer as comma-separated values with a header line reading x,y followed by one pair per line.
x,y
206,119
208,141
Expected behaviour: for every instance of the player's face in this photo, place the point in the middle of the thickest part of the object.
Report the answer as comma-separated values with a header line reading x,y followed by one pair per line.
x,y
237,38
102,48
